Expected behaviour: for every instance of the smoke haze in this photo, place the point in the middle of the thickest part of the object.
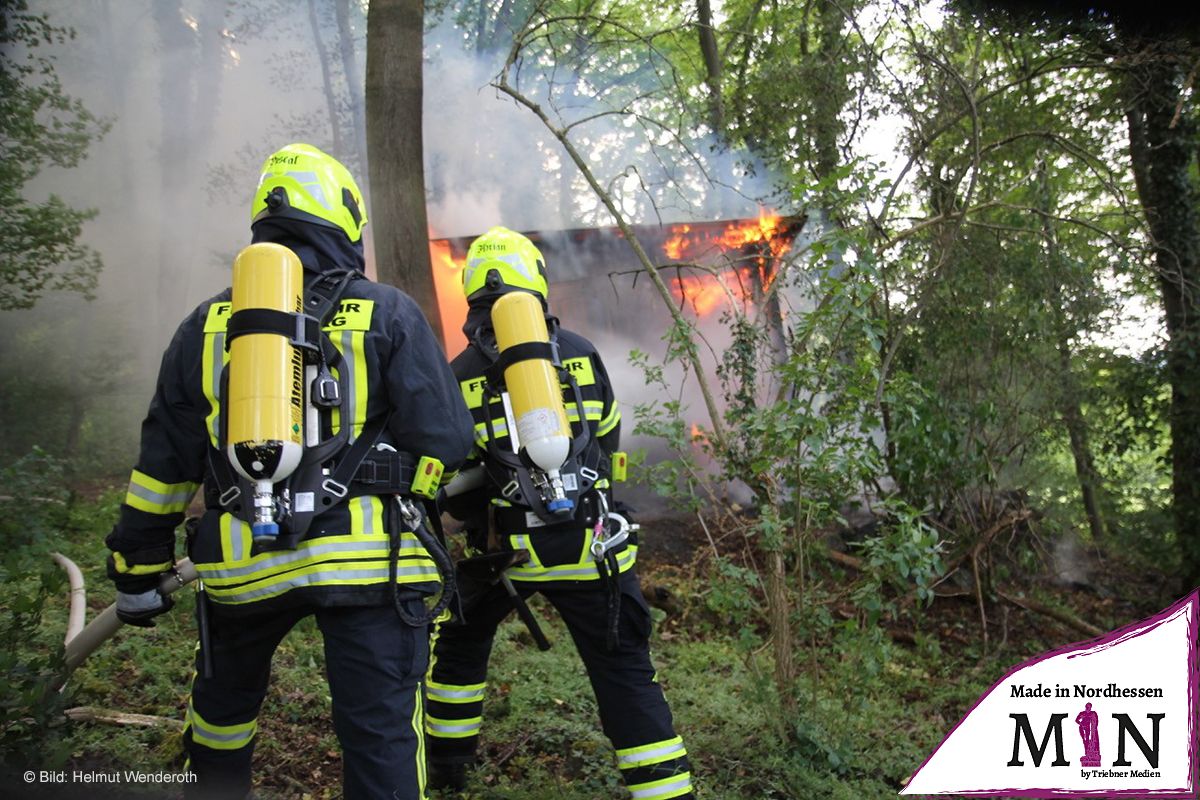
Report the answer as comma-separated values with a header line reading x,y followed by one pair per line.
x,y
198,93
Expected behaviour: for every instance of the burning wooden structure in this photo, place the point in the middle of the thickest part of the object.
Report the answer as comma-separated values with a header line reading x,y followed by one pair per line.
x,y
597,285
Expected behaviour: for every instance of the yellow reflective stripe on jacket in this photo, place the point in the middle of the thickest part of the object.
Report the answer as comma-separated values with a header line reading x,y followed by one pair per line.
x,y
662,789
453,728
450,693
314,551
366,514
592,410
123,567
212,362
499,427
155,497
654,753
348,559
235,539
609,422
354,363
582,571
219,737
343,573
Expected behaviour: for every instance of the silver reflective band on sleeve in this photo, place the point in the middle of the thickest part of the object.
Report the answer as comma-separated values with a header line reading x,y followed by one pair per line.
x,y
655,755
134,603
174,499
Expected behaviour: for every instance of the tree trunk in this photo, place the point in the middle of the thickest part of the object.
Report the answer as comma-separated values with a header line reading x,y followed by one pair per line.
x,y
353,85
395,31
1072,411
779,622
830,94
1163,150
177,63
1081,453
331,101
712,67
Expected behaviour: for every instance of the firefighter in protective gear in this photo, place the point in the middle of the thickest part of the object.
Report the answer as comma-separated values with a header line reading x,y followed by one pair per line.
x,y
560,565
356,566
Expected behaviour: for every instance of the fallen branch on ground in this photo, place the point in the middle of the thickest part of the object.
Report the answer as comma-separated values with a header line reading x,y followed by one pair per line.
x,y
1065,617
104,716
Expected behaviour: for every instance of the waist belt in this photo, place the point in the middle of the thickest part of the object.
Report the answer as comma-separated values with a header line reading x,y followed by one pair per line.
x,y
380,472
384,472
512,520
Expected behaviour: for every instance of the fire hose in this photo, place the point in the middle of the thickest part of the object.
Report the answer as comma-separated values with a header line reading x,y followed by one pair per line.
x,y
81,640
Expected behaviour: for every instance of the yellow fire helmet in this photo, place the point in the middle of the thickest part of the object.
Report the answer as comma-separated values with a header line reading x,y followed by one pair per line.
x,y
304,183
502,261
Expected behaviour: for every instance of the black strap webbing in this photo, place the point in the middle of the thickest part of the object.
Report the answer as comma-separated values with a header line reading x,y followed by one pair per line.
x,y
520,352
301,330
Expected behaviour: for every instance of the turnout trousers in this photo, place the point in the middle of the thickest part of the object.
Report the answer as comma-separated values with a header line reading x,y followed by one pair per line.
x,y
633,709
374,664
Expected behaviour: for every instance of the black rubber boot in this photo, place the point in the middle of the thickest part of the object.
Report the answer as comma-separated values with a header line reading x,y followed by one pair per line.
x,y
448,776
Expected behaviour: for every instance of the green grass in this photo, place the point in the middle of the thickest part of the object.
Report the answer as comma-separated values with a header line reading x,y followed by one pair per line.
x,y
865,712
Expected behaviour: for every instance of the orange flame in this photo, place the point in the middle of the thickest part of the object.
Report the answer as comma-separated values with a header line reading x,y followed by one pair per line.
x,y
699,243
452,306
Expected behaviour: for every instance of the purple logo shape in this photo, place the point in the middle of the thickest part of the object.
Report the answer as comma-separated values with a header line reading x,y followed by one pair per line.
x,y
1089,731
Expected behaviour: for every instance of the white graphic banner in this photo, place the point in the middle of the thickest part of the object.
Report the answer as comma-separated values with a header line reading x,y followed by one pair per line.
x,y
1112,717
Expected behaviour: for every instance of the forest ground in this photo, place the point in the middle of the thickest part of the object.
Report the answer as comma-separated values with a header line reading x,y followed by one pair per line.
x,y
871,703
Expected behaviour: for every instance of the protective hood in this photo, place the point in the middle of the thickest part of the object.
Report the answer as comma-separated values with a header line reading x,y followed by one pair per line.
x,y
320,249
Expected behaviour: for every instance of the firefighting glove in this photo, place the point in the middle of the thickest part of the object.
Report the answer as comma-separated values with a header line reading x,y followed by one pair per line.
x,y
141,609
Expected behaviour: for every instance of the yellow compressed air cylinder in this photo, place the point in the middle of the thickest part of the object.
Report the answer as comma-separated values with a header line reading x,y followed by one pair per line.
x,y
265,402
533,389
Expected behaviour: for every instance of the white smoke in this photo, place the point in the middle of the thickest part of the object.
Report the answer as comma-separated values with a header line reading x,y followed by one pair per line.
x,y
198,94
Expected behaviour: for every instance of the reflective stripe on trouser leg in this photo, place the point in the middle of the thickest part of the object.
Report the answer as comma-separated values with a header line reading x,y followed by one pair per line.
x,y
657,770
455,688
219,734
633,709
375,665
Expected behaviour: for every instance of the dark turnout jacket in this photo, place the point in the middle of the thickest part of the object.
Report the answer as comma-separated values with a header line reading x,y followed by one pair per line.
x,y
394,366
559,553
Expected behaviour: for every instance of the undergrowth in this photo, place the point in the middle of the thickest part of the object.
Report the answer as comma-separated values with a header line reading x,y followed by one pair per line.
x,y
863,713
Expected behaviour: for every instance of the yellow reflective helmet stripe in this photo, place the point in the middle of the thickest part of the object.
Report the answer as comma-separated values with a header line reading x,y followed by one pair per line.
x,y
155,497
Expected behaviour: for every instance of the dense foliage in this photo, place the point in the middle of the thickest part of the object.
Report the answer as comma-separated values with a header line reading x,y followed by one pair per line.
x,y
40,126
965,390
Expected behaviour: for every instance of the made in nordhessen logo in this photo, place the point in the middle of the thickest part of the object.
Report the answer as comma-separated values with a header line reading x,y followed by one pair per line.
x,y
1108,718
